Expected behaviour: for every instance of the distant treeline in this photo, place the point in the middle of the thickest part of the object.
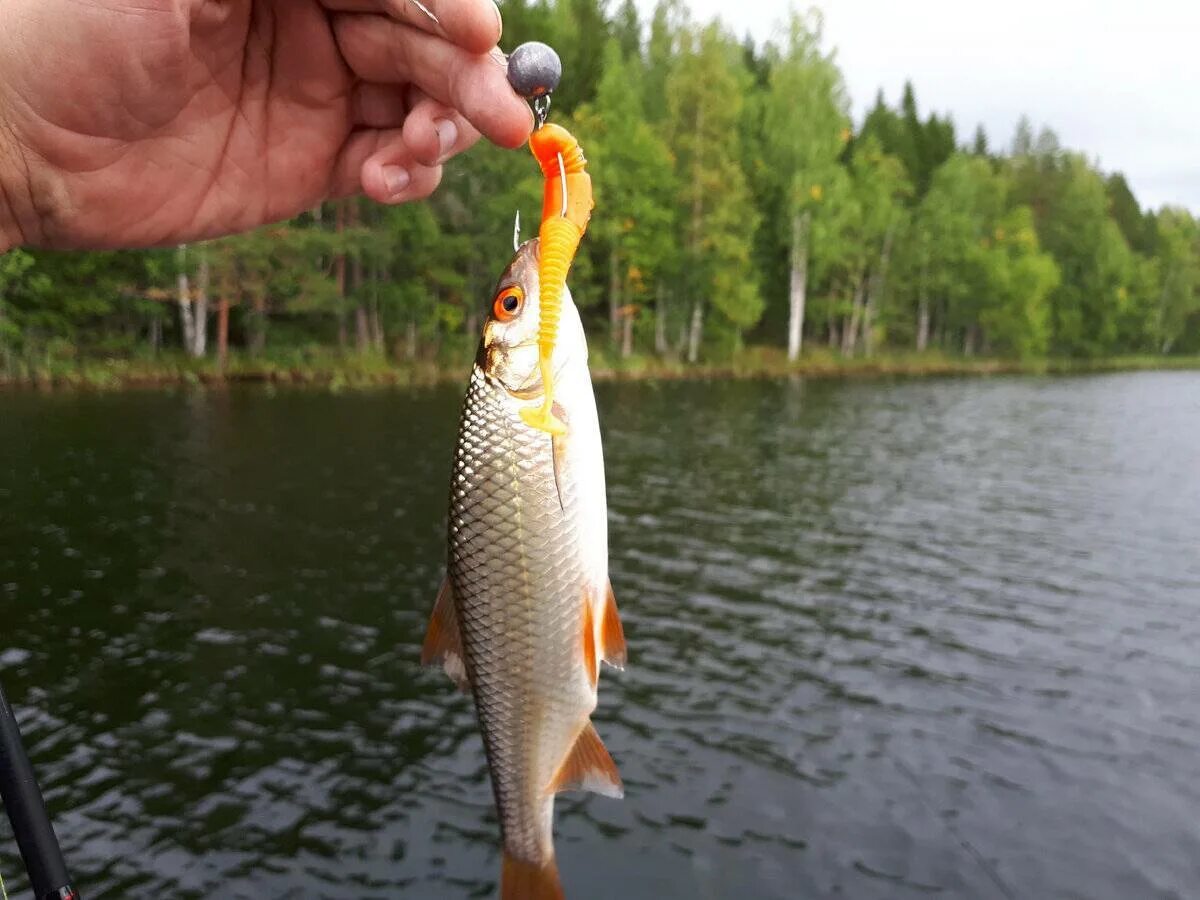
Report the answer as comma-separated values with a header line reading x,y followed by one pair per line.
x,y
735,203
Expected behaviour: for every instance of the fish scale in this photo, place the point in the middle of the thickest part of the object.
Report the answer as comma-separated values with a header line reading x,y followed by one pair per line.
x,y
518,583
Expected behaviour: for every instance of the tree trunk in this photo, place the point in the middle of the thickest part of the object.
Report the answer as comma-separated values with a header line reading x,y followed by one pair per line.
x,y
834,335
627,335
156,334
200,311
362,324
377,336
258,335
875,291
222,332
362,329
186,320
5,352
339,266
850,336
969,338
410,341
799,286
696,332
923,303
614,295
660,320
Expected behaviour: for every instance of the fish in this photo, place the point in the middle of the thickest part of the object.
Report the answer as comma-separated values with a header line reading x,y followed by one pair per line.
x,y
526,613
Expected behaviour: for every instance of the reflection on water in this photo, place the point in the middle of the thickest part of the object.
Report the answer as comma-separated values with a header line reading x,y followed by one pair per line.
x,y
887,640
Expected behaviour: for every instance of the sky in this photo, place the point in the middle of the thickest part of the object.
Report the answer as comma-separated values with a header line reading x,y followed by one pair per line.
x,y
1119,82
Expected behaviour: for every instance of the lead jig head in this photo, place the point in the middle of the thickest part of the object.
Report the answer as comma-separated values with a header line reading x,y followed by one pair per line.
x,y
534,71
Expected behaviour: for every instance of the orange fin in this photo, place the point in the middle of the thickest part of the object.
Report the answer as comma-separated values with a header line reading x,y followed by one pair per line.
x,y
589,767
520,880
443,643
612,635
590,665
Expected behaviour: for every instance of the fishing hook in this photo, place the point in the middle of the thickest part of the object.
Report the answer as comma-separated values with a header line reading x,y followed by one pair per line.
x,y
517,232
562,174
541,109
425,9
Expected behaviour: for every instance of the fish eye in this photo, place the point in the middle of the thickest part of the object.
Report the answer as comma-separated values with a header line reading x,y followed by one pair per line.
x,y
508,303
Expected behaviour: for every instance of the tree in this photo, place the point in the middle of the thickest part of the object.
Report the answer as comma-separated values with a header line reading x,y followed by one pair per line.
x,y
1096,263
705,90
635,192
1178,275
804,126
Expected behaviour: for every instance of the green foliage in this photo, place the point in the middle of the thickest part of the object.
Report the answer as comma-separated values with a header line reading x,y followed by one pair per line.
x,y
705,90
713,160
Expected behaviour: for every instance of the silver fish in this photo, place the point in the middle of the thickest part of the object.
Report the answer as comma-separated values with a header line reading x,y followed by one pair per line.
x,y
527,613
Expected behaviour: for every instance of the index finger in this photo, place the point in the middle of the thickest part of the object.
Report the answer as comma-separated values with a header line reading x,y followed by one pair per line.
x,y
474,25
476,85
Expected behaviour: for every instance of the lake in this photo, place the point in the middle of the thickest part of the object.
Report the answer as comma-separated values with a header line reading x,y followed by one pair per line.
x,y
888,639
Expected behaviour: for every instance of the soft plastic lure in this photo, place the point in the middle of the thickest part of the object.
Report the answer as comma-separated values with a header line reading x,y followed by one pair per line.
x,y
566,208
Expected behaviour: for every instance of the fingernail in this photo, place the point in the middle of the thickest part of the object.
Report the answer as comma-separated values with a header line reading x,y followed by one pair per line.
x,y
395,179
499,18
447,133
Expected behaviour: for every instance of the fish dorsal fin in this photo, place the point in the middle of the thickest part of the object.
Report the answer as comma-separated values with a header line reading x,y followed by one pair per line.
x,y
443,643
588,767
612,635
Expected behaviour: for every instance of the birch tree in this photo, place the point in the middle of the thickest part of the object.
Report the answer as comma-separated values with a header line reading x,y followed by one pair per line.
x,y
805,124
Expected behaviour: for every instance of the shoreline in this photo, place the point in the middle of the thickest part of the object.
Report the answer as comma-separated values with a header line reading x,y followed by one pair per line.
x,y
352,372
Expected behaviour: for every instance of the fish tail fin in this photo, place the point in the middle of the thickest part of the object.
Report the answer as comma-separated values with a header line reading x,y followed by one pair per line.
x,y
521,880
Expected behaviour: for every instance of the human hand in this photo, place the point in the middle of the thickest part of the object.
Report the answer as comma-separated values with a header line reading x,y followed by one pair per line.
x,y
127,123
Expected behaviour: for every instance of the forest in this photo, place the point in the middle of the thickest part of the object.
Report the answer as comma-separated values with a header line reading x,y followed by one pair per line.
x,y
739,206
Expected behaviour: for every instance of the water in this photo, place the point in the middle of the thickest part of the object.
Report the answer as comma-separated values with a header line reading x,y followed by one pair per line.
x,y
888,640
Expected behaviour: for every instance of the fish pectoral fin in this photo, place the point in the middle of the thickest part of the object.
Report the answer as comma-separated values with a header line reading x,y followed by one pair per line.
x,y
588,767
443,642
590,664
612,634
558,449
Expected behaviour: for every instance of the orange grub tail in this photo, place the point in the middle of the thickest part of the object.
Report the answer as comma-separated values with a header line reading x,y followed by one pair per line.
x,y
564,220
520,880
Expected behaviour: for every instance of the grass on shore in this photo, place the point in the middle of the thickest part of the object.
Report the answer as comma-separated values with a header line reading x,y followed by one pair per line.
x,y
337,371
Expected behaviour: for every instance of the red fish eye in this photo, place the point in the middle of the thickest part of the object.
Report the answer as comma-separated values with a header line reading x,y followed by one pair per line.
x,y
508,303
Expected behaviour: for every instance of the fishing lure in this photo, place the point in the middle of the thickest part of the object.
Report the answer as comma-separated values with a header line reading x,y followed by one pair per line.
x,y
567,204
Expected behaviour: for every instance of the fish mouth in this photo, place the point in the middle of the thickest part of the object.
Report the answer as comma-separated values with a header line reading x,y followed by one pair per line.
x,y
492,359
532,386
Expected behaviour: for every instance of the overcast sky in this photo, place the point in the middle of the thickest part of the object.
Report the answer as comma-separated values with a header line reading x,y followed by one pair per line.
x,y
1117,81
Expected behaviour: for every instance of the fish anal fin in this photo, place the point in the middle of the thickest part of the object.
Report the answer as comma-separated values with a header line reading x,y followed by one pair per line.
x,y
443,642
521,880
612,634
589,767
590,664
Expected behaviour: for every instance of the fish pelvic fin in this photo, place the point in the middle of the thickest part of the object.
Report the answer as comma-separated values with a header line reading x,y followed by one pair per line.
x,y
521,880
443,642
612,634
589,767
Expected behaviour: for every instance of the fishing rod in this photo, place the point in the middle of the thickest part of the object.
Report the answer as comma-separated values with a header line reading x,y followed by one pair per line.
x,y
26,810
